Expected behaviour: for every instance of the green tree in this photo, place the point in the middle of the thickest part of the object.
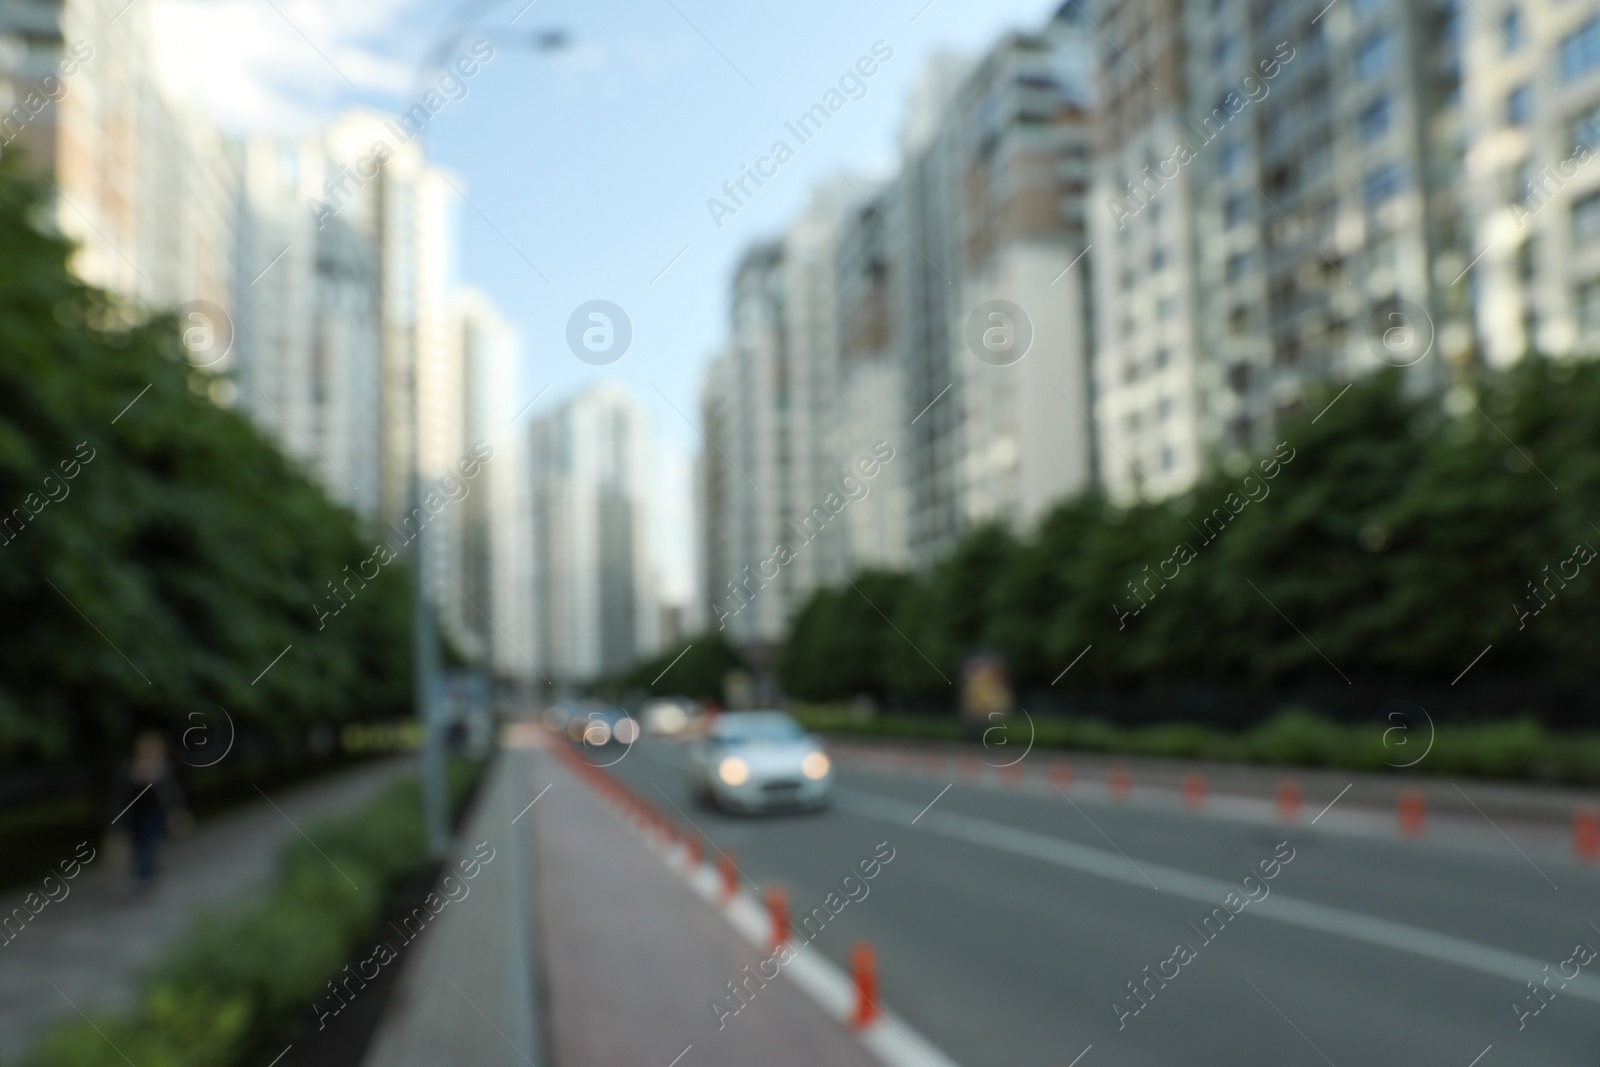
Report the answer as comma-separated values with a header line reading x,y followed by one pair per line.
x,y
158,552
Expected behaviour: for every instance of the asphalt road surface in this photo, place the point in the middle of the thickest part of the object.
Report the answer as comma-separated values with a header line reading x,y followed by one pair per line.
x,y
1010,925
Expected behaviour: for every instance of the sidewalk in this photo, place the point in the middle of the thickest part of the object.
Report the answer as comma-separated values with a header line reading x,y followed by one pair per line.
x,y
466,994
633,957
627,957
93,943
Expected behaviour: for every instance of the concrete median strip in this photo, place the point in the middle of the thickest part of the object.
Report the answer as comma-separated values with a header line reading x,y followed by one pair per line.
x,y
1337,922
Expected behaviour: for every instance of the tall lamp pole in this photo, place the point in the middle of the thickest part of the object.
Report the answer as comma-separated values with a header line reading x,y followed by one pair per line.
x,y
426,679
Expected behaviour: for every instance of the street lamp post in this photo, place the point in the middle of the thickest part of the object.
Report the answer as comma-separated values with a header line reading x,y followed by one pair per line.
x,y
424,617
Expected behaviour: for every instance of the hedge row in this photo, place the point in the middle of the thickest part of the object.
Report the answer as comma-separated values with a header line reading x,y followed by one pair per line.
x,y
240,984
1516,748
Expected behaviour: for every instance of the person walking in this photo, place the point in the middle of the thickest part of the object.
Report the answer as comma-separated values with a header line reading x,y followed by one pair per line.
x,y
152,801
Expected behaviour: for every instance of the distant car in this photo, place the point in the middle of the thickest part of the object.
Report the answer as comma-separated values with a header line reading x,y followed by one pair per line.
x,y
596,726
760,761
665,718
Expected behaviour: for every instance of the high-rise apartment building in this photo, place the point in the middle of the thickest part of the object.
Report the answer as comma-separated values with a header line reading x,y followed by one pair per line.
x,y
307,357
989,207
1277,204
486,602
595,609
749,477
1533,181
851,344
872,390
142,186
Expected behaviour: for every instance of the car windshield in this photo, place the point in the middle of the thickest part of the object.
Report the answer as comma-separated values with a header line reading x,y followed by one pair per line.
x,y
757,727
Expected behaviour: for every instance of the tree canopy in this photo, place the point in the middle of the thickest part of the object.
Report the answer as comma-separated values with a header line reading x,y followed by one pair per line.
x,y
158,553
1389,536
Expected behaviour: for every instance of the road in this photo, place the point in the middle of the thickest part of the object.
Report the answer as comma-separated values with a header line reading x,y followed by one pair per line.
x,y
1011,924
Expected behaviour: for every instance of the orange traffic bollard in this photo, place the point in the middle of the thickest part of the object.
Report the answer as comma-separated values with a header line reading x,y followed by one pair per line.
x,y
691,846
1194,790
778,912
1119,782
1289,800
864,976
730,875
1011,775
1586,834
1061,775
1410,811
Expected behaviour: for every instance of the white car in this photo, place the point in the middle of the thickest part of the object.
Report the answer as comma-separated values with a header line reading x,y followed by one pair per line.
x,y
760,761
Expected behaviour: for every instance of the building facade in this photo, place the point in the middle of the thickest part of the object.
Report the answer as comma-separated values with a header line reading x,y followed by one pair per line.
x,y
595,609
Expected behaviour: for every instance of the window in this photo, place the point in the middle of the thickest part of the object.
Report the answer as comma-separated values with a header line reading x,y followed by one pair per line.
x,y
1164,308
1519,105
1239,378
1164,408
1280,128
1238,266
1585,129
1382,183
1231,154
1511,29
1234,211
1158,259
1130,374
1222,55
1530,183
1373,122
1373,55
1238,321
1580,50
1588,299
1163,357
1169,458
1527,259
1365,8
1586,219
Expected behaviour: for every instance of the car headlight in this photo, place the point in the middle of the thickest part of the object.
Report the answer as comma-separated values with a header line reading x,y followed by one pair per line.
x,y
626,732
733,771
815,766
596,733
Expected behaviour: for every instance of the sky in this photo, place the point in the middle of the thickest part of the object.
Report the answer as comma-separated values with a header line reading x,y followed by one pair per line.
x,y
587,171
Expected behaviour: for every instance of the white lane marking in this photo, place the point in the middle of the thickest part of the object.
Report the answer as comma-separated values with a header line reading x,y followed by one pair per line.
x,y
1322,918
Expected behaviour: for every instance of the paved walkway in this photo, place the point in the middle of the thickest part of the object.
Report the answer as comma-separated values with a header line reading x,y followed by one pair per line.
x,y
94,942
627,957
466,992
633,957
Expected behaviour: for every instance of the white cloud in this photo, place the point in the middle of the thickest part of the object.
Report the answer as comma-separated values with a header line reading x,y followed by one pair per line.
x,y
284,65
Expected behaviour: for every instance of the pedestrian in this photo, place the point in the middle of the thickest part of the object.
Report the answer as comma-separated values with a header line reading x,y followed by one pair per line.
x,y
152,802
